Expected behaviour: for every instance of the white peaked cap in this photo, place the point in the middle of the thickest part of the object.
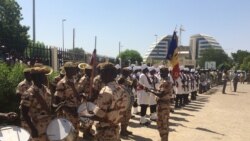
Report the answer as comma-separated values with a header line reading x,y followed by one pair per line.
x,y
144,66
157,69
132,65
181,67
161,66
136,68
151,68
117,66
192,70
129,68
186,69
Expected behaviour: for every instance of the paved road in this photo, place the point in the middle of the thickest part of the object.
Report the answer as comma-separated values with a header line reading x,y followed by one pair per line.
x,y
214,116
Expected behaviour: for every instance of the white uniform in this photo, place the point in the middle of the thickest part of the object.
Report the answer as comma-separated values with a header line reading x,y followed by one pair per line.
x,y
152,97
143,96
179,86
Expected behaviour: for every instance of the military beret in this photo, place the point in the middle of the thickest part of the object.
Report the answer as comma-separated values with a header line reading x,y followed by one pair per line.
x,y
144,66
107,66
163,69
125,70
40,70
70,65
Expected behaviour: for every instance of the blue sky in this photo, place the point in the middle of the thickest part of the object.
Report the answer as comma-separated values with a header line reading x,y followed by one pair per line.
x,y
136,22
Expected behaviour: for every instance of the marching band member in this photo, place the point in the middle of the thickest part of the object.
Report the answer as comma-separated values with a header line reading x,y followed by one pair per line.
x,y
21,88
109,107
83,87
66,98
36,104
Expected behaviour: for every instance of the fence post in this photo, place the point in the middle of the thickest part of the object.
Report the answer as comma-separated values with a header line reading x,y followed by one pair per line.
x,y
54,58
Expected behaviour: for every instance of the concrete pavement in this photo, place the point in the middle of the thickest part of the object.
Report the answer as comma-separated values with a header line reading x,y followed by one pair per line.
x,y
213,116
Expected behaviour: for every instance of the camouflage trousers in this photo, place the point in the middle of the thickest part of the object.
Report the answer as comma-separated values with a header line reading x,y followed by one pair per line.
x,y
108,133
163,111
125,119
25,126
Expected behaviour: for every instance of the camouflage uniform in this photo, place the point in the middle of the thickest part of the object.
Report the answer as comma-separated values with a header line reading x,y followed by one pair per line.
x,y
84,87
21,88
66,94
39,116
163,108
57,79
97,83
111,104
126,117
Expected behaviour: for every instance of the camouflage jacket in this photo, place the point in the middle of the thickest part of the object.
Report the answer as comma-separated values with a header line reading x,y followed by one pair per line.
x,y
111,104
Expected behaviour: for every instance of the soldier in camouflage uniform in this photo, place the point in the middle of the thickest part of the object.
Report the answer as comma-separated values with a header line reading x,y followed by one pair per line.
x,y
110,106
60,76
83,87
163,94
97,83
25,84
36,105
66,96
21,88
125,82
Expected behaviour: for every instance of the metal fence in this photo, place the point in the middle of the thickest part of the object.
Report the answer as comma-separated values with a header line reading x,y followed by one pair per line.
x,y
43,54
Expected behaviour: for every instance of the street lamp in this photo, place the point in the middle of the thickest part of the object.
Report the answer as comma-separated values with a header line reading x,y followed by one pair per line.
x,y
63,20
34,22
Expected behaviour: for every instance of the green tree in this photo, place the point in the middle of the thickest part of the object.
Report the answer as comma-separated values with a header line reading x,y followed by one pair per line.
x,y
239,56
246,64
130,56
219,56
77,54
13,35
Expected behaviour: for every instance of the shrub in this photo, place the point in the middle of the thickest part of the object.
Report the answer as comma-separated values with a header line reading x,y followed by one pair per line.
x,y
10,76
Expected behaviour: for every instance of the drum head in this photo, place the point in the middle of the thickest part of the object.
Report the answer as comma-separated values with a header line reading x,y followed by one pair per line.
x,y
58,129
86,109
13,133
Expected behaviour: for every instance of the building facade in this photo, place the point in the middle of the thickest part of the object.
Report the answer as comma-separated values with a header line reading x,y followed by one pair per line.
x,y
158,50
199,43
187,54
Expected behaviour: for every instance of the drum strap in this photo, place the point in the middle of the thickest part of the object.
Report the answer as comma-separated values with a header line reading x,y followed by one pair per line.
x,y
42,102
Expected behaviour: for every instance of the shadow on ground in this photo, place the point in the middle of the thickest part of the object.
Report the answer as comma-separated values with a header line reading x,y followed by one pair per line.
x,y
182,114
137,138
210,131
178,119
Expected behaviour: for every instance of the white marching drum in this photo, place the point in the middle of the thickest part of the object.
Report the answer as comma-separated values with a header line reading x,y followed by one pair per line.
x,y
86,109
61,129
13,133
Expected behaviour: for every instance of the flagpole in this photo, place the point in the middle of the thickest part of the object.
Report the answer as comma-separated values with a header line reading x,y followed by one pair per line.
x,y
93,63
95,41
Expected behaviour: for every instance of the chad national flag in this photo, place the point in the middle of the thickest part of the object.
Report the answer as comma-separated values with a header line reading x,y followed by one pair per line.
x,y
172,56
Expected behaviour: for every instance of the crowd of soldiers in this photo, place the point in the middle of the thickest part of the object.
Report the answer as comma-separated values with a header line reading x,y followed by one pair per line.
x,y
113,93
